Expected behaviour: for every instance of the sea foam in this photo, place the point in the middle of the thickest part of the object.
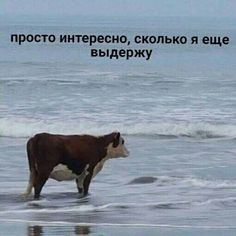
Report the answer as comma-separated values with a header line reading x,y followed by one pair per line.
x,y
25,127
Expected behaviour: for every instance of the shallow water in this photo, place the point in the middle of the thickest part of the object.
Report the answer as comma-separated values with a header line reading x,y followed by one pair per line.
x,y
186,184
178,118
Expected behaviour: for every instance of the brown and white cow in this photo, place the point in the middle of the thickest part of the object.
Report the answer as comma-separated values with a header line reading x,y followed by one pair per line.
x,y
68,157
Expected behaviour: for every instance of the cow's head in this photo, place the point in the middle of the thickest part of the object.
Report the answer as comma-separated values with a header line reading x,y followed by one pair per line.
x,y
117,147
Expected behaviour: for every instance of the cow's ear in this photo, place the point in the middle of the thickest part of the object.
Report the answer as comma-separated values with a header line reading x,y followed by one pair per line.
x,y
117,136
116,140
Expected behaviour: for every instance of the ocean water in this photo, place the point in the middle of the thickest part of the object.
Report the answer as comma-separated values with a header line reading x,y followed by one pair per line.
x,y
177,113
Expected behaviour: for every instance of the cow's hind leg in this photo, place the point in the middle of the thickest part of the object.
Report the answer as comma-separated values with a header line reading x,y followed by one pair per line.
x,y
39,182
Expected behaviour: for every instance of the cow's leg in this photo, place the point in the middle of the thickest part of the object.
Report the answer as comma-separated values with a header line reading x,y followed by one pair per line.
x,y
40,180
87,181
81,178
39,183
79,185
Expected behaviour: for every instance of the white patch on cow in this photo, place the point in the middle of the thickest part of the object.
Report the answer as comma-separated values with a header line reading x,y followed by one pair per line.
x,y
62,173
99,166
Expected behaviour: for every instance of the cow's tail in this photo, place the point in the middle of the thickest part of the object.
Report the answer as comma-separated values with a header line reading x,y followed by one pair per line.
x,y
31,148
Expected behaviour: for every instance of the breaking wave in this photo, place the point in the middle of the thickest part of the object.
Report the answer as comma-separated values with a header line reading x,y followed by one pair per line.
x,y
188,182
22,127
45,208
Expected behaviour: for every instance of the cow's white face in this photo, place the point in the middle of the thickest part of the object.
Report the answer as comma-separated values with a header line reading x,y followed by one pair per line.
x,y
117,147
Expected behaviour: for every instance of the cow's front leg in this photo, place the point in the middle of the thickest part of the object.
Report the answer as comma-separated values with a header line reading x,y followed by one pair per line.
x,y
80,179
87,181
80,186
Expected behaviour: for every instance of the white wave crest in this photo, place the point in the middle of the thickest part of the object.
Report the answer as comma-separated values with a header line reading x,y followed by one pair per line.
x,y
25,127
214,184
217,201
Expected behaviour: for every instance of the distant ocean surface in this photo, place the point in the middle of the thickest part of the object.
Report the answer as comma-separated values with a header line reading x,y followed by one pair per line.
x,y
177,113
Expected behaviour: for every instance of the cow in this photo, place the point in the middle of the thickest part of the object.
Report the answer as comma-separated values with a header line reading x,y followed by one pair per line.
x,y
70,157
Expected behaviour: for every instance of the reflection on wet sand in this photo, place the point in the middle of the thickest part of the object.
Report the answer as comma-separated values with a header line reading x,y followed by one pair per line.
x,y
82,230
38,230
35,230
